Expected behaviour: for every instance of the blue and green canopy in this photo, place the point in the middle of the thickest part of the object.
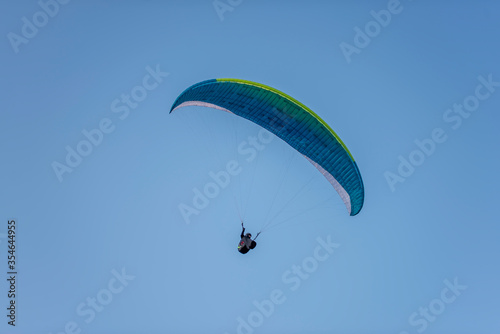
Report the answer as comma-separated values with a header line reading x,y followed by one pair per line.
x,y
291,121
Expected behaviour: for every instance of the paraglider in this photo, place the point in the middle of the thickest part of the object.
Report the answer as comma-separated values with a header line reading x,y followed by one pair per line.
x,y
289,120
246,243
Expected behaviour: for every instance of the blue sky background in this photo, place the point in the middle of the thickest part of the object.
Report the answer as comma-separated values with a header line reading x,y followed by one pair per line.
x,y
118,209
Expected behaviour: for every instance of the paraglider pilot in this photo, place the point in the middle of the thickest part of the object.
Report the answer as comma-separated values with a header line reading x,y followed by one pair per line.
x,y
246,242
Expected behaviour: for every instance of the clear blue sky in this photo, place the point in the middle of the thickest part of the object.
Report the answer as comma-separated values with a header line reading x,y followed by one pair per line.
x,y
105,249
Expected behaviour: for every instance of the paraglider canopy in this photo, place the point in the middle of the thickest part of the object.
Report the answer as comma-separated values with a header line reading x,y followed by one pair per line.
x,y
291,121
